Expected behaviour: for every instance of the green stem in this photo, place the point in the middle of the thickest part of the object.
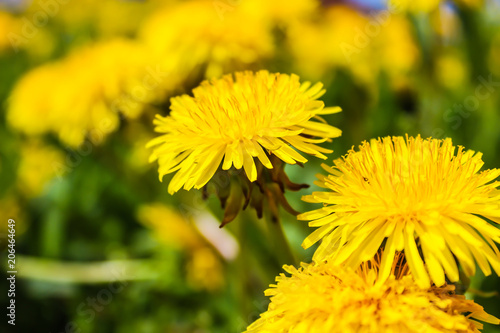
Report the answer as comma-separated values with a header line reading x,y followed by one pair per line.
x,y
281,246
242,270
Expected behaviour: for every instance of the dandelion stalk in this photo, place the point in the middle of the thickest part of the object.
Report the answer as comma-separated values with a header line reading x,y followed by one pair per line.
x,y
281,245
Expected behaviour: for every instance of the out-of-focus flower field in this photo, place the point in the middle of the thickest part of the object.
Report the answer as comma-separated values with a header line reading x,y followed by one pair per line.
x,y
101,244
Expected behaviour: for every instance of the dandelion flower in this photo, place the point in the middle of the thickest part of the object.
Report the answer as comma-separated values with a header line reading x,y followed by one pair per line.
x,y
328,298
409,195
231,121
11,208
73,99
237,120
204,267
170,227
37,167
8,24
424,6
282,12
94,15
320,45
341,40
213,35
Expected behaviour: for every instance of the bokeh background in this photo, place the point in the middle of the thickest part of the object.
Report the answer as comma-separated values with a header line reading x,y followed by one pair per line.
x,y
101,246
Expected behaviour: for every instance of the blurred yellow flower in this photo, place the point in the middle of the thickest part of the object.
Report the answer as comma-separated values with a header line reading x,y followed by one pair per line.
x,y
81,95
494,55
364,45
204,268
8,24
396,38
328,298
280,12
37,167
337,41
170,227
201,33
471,3
236,120
136,136
74,16
410,194
22,34
10,208
451,71
424,6
446,23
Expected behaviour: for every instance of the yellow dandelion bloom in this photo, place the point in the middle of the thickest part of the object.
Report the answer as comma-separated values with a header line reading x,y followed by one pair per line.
x,y
73,99
328,298
281,12
8,25
233,120
216,35
475,4
409,194
337,40
127,15
396,38
37,167
170,227
19,35
205,270
204,266
29,109
494,55
364,45
452,71
424,6
11,208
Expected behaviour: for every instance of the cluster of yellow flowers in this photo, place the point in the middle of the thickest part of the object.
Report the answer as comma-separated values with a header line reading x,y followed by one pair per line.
x,y
349,40
185,41
88,107
399,216
426,207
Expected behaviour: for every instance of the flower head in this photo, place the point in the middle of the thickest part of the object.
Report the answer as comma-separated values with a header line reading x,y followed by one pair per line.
x,y
39,164
7,23
282,12
409,195
215,37
89,104
253,115
328,298
204,267
230,121
424,6
325,44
